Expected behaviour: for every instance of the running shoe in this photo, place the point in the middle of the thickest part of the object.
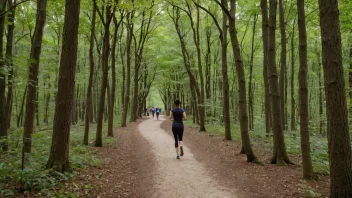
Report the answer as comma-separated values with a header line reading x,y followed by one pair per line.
x,y
181,147
178,157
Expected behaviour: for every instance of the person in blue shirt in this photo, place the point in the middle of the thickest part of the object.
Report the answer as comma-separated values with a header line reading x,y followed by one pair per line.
x,y
157,111
178,115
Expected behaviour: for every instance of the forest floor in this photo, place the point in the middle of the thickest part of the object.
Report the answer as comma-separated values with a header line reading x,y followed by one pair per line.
x,y
142,163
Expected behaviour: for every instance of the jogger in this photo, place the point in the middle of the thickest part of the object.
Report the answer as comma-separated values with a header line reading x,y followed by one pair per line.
x,y
178,114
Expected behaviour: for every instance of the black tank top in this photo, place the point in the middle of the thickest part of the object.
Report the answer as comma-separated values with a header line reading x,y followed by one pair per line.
x,y
178,115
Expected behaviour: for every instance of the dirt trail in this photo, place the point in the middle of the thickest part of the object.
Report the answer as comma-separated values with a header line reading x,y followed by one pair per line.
x,y
186,177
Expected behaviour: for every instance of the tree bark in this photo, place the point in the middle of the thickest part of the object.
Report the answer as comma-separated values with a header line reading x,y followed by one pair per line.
x,y
59,153
105,67
113,78
128,77
33,75
89,99
265,33
242,103
280,155
225,78
282,62
303,93
293,103
336,107
3,125
9,61
250,83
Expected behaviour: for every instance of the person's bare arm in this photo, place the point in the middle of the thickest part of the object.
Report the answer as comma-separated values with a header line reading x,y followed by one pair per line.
x,y
170,116
184,116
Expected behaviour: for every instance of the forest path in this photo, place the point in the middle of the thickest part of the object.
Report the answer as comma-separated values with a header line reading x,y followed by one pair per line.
x,y
186,177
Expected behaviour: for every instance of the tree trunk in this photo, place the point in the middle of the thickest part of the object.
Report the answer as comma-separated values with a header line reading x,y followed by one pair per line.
x,y
293,103
349,77
20,115
37,107
225,78
33,75
265,33
321,109
336,107
282,62
201,76
128,79
208,67
280,155
113,83
250,83
105,67
89,97
242,103
3,125
9,61
59,153
303,93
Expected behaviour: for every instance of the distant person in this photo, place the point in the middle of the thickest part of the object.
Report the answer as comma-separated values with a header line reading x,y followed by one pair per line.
x,y
146,112
153,111
157,111
178,115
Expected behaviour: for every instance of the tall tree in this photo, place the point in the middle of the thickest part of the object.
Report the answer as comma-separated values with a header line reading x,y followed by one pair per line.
x,y
130,27
280,155
303,92
138,54
9,60
105,69
3,127
33,75
242,102
59,153
89,101
336,105
265,34
225,78
282,62
293,102
113,76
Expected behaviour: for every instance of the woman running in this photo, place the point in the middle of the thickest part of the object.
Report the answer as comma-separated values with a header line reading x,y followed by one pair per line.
x,y
178,114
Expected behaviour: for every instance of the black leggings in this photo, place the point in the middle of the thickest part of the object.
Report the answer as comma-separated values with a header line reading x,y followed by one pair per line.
x,y
177,130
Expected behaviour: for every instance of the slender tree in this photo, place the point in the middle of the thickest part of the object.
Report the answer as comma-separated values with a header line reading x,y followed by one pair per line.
x,y
33,75
105,66
130,27
303,93
89,101
242,102
59,153
280,155
336,105
9,60
293,102
113,76
3,127
224,68
282,62
265,33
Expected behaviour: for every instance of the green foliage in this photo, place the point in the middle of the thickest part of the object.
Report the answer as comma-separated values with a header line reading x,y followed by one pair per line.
x,y
319,144
34,176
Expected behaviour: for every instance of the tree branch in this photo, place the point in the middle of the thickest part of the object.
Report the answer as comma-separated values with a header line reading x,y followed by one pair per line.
x,y
3,13
211,14
227,12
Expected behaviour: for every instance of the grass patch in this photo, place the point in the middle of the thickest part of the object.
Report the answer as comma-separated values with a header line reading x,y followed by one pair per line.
x,y
319,144
34,176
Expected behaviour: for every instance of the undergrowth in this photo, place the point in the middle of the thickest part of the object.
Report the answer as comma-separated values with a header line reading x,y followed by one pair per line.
x,y
318,143
34,177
